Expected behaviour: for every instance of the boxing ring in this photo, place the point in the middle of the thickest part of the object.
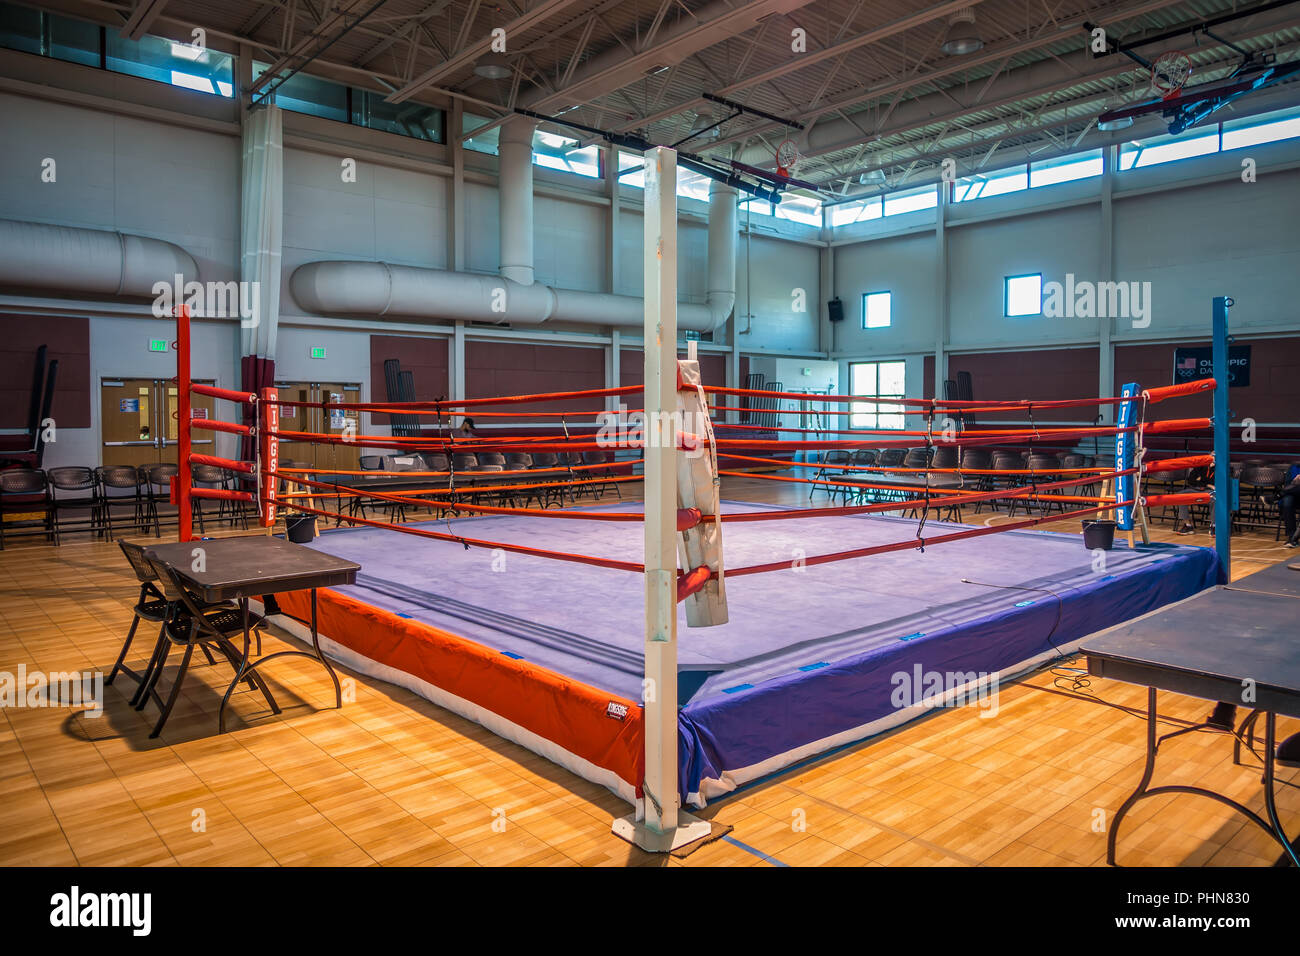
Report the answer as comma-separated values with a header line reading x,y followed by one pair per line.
x,y
526,619
549,655
806,629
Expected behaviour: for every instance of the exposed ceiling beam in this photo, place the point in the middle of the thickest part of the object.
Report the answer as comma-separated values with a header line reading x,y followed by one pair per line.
x,y
465,57
142,18
960,64
875,35
710,25
428,13
1082,111
341,19
1013,93
617,68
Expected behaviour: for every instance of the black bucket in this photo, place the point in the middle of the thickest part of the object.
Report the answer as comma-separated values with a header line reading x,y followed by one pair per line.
x,y
1098,533
300,529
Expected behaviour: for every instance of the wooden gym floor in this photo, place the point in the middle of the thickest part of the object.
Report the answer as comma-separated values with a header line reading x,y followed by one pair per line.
x,y
393,779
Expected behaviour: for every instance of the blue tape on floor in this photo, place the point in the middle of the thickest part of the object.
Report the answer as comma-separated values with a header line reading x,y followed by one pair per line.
x,y
758,853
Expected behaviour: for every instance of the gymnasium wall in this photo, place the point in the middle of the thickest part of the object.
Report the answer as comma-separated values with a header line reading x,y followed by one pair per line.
x,y
522,368
68,343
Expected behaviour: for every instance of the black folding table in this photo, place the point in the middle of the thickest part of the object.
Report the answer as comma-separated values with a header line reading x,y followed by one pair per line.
x,y
1238,644
224,569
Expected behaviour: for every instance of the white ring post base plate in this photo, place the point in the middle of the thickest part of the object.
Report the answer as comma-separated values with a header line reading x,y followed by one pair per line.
x,y
689,829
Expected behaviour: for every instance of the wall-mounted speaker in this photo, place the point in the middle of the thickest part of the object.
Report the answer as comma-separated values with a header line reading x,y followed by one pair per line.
x,y
835,309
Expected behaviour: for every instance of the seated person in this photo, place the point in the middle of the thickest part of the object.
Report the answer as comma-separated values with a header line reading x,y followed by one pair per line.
x,y
1198,479
1288,501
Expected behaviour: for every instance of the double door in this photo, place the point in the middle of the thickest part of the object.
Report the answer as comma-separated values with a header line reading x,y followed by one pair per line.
x,y
138,423
321,421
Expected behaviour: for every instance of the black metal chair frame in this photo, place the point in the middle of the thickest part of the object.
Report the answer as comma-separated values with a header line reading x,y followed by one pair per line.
x,y
152,498
36,498
59,479
190,623
151,605
108,501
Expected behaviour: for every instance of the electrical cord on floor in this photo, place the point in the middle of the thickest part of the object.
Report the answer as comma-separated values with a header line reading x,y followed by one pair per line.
x,y
1060,605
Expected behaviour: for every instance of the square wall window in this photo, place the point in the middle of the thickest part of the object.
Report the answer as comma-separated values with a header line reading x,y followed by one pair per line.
x,y
1024,294
877,380
876,310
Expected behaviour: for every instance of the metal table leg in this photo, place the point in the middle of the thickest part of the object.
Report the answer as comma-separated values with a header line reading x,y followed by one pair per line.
x,y
247,667
1271,826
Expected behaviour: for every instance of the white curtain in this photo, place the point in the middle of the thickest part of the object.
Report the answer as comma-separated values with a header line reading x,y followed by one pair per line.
x,y
261,227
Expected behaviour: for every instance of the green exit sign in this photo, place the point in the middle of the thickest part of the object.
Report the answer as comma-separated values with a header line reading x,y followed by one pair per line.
x,y
157,345
318,351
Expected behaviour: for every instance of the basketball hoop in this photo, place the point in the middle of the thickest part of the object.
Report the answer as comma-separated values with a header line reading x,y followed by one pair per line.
x,y
1170,72
787,154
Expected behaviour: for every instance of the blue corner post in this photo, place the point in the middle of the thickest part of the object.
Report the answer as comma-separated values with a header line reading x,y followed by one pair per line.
x,y
1125,485
1223,483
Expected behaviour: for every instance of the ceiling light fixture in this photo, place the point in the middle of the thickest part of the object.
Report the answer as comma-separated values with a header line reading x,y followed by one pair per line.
x,y
492,66
962,36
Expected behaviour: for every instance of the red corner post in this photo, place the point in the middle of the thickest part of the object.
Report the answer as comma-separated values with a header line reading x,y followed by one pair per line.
x,y
268,453
181,495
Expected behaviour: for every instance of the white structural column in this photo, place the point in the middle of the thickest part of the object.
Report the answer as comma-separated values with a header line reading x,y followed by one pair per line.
x,y
613,355
614,370
1105,347
663,826
456,246
826,288
261,227
456,200
941,291
613,261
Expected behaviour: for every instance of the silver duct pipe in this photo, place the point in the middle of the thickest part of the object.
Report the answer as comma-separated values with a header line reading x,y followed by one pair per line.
x,y
384,289
91,261
722,252
515,190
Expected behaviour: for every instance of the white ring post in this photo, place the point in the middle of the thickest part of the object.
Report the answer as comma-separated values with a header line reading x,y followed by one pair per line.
x,y
664,825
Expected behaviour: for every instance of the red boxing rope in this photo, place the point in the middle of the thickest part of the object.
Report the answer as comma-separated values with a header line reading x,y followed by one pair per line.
x,y
244,398
900,470
1032,435
471,542
470,402
687,518
246,467
1159,394
933,403
1177,425
1178,464
221,494
1182,498
215,425
923,542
